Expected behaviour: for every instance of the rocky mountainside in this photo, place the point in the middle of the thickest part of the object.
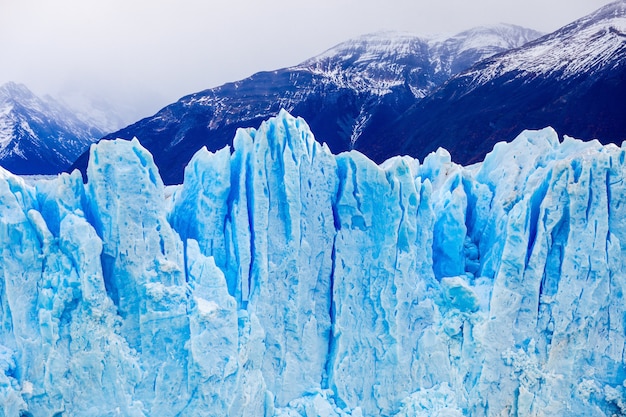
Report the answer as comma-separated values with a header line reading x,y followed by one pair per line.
x,y
343,93
573,80
39,135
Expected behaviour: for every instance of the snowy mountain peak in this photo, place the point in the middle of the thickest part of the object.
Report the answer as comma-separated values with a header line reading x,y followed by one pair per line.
x,y
381,60
583,47
501,36
373,62
611,16
571,79
13,89
344,93
397,45
610,11
371,46
462,50
18,94
39,135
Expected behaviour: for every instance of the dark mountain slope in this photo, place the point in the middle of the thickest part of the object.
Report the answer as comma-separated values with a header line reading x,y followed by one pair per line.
x,y
344,94
573,80
39,136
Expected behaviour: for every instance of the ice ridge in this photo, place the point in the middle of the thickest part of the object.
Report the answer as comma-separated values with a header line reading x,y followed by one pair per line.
x,y
282,280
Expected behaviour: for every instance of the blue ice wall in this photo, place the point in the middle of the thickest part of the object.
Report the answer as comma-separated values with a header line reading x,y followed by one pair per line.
x,y
282,280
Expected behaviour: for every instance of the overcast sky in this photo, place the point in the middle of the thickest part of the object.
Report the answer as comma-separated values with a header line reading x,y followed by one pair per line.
x,y
146,54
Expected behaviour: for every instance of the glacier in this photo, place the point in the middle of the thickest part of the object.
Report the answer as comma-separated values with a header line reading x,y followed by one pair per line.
x,y
282,280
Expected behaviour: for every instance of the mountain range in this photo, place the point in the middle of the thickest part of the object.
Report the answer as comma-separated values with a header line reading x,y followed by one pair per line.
x,y
573,80
39,135
391,94
344,94
382,94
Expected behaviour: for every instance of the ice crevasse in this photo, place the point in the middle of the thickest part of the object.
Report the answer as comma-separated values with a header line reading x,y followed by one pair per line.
x,y
282,280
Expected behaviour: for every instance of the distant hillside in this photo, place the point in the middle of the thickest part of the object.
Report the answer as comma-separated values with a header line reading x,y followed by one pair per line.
x,y
39,135
573,80
344,94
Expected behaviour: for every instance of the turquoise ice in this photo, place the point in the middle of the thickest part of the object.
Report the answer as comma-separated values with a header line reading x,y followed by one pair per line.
x,y
282,280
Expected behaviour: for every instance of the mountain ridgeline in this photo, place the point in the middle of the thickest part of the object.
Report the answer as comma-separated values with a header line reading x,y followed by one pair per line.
x,y
395,94
382,94
573,80
345,94
39,135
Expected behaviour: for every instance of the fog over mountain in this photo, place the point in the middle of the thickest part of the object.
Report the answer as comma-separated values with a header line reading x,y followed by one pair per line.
x,y
139,56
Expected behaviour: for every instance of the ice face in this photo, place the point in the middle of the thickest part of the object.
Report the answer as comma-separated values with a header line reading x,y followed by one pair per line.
x,y
282,280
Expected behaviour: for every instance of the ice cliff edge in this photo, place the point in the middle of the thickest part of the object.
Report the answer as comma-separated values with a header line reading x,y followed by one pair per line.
x,y
282,280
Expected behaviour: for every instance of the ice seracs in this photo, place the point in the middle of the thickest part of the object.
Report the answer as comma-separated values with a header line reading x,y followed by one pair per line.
x,y
282,280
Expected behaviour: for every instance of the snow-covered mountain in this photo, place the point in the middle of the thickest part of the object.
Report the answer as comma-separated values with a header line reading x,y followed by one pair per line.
x,y
590,46
573,79
39,135
343,94
375,63
461,51
282,280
